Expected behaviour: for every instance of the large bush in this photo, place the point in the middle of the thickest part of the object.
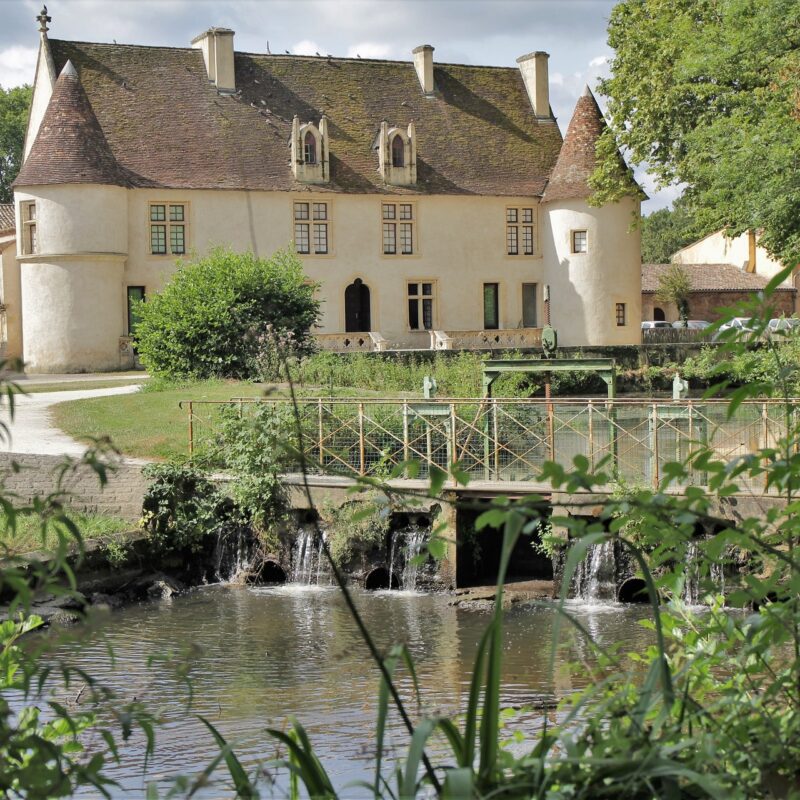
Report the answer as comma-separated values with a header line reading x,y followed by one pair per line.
x,y
221,314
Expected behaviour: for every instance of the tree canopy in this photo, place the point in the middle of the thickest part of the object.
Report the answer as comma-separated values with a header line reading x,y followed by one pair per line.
x,y
707,93
14,105
667,230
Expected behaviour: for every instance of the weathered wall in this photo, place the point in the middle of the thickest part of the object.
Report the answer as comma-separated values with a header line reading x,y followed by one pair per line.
x,y
122,496
707,305
10,296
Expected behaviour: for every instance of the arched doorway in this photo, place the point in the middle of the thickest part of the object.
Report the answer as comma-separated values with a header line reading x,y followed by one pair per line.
x,y
356,307
659,315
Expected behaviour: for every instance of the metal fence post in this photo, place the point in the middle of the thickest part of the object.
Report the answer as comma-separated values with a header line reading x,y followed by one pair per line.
x,y
320,433
361,438
496,438
453,450
191,431
655,472
591,435
405,433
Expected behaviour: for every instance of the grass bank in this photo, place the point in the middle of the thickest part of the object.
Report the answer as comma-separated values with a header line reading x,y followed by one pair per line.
x,y
28,535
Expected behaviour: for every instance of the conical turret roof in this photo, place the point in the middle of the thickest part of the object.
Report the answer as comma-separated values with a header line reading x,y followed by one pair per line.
x,y
70,146
569,179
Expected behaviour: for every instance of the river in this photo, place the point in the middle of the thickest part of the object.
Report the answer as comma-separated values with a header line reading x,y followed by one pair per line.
x,y
259,655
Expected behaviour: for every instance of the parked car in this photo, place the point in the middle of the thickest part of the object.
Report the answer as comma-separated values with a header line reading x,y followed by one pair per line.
x,y
648,325
783,325
692,324
740,324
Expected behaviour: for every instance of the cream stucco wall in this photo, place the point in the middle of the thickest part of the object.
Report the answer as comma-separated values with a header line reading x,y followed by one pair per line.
x,y
10,296
585,287
717,248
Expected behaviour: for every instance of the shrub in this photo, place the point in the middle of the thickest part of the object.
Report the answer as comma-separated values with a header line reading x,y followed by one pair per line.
x,y
218,314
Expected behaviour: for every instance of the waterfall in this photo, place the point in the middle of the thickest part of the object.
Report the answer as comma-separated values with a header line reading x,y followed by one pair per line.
x,y
594,579
308,557
233,554
693,591
414,537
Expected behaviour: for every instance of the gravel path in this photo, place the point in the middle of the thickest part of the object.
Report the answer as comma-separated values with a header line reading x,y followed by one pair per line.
x,y
32,430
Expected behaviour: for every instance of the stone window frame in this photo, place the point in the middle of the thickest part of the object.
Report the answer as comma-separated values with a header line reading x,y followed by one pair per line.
x,y
168,224
621,312
399,225
517,228
305,129
573,241
30,231
419,297
312,224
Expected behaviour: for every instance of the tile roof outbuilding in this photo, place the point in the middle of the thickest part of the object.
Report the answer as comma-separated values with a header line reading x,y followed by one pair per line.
x,y
709,278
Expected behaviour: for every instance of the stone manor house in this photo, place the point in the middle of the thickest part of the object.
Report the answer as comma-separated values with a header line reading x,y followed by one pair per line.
x,y
437,205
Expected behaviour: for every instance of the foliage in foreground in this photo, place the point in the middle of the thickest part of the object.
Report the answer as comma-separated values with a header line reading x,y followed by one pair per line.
x,y
222,316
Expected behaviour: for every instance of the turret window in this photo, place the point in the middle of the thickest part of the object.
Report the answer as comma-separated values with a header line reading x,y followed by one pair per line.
x,y
621,316
30,242
167,229
398,152
519,232
580,242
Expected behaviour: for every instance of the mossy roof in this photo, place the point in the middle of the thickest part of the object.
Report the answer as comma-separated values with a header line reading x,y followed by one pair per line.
x,y
168,127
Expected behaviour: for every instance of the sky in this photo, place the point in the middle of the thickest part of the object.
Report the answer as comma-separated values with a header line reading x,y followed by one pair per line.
x,y
494,32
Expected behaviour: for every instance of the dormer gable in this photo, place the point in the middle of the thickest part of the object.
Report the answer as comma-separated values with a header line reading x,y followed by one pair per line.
x,y
310,151
397,154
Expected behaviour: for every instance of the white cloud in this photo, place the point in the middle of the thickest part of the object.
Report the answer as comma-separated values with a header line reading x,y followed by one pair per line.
x,y
17,66
305,48
599,61
370,50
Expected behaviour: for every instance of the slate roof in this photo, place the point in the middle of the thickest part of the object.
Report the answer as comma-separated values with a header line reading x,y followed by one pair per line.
x,y
70,146
7,222
709,278
167,126
577,160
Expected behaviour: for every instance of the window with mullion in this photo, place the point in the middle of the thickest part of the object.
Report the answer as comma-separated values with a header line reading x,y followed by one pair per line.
x,y
311,235
420,306
519,226
392,230
167,229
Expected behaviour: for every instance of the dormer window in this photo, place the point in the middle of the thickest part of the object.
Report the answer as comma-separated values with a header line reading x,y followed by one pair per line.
x,y
398,151
310,159
310,148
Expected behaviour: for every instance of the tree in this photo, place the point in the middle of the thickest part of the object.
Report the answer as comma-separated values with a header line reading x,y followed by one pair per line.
x,y
707,93
667,230
218,314
14,105
674,287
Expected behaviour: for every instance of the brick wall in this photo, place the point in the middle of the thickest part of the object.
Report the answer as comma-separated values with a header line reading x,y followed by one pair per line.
x,y
121,497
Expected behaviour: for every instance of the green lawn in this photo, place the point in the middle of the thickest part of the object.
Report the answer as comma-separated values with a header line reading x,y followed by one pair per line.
x,y
28,534
146,424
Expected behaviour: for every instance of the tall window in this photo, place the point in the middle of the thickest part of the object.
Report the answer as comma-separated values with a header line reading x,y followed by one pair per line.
x,y
491,314
398,229
580,242
420,306
311,228
529,305
310,148
30,243
620,315
519,231
398,152
167,229
135,300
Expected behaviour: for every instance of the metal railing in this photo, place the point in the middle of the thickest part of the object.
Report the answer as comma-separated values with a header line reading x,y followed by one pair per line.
x,y
502,440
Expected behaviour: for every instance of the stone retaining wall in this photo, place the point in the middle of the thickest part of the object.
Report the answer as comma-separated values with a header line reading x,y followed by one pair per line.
x,y
38,475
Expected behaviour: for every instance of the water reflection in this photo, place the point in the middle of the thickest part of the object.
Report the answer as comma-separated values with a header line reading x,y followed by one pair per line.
x,y
261,655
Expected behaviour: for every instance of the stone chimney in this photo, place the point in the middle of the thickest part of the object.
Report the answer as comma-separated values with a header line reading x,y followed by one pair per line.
x,y
217,47
423,63
533,67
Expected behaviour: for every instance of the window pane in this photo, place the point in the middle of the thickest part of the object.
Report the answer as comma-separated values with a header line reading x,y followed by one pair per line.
x,y
176,213
405,211
301,210
31,211
389,238
301,237
33,242
527,240
406,238
412,289
512,248
490,315
579,241
620,314
427,314
527,215
511,215
177,240
158,213
427,289
321,238
529,305
413,315
158,239
320,211
389,211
